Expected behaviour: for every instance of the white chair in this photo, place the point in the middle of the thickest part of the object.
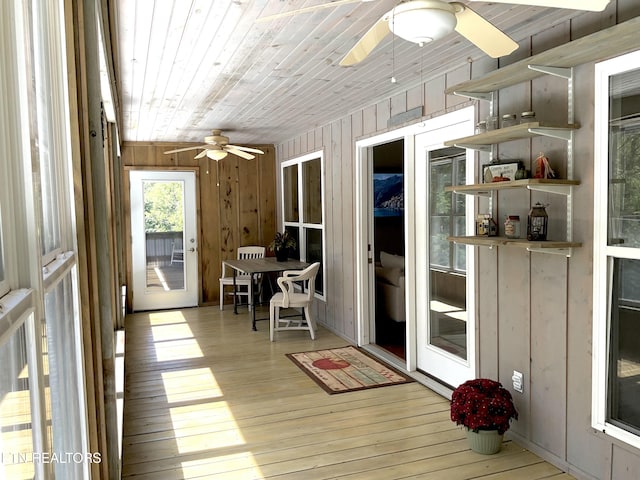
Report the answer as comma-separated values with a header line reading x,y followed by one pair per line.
x,y
243,281
290,298
177,254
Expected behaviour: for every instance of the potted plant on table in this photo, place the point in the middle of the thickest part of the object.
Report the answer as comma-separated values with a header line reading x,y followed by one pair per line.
x,y
486,408
282,244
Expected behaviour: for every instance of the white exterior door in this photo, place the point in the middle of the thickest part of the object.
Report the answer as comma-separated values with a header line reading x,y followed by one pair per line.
x,y
164,239
445,323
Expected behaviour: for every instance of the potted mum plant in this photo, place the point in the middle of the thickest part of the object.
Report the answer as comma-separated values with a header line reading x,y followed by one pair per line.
x,y
486,409
282,244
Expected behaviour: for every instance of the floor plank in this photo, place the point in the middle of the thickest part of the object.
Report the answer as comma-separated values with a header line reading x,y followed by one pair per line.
x,y
206,397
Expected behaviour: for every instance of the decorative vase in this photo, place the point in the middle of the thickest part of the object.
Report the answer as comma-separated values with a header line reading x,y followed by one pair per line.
x,y
282,254
486,442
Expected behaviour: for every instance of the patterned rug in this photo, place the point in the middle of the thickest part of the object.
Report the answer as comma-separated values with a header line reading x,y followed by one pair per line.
x,y
346,369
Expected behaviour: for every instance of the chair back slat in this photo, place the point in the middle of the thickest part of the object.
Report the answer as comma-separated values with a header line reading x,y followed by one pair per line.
x,y
251,252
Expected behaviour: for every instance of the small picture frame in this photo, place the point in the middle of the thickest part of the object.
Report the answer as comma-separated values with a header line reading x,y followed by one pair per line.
x,y
500,172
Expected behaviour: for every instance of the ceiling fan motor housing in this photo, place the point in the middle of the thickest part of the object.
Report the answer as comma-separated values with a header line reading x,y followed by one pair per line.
x,y
216,138
423,21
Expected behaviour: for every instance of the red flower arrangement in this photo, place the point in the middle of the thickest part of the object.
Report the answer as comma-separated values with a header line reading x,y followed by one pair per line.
x,y
483,404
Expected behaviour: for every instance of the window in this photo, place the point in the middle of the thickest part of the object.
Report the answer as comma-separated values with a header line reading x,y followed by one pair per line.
x,y
303,207
4,284
15,403
447,211
617,249
65,378
40,349
48,135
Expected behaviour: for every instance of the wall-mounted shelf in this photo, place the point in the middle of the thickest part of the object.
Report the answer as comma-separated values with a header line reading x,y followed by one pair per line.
x,y
483,141
612,41
550,185
557,62
559,248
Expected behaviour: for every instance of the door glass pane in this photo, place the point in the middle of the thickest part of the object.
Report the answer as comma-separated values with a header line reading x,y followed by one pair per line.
x,y
624,161
447,296
312,181
459,250
440,247
440,215
314,253
624,364
290,186
164,234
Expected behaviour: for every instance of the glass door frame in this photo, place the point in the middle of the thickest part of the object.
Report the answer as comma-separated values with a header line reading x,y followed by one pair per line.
x,y
605,253
363,255
188,296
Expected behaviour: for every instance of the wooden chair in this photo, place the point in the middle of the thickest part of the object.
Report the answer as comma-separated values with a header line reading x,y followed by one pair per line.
x,y
288,297
243,281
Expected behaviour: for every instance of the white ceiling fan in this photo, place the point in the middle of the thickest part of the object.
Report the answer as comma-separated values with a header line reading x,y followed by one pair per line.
x,y
423,21
216,147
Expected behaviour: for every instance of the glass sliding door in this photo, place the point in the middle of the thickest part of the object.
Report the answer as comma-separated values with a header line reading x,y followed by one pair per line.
x,y
617,249
445,271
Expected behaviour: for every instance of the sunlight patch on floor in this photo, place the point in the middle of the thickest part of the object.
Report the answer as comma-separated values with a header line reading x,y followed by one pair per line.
x,y
201,382
163,333
179,350
201,420
226,464
223,431
175,340
166,318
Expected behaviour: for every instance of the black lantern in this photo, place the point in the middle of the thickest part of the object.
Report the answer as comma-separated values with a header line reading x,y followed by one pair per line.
x,y
537,223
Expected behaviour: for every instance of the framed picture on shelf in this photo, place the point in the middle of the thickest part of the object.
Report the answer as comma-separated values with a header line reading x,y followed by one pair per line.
x,y
501,172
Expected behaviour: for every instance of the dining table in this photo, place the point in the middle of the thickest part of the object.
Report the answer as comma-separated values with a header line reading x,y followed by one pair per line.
x,y
257,266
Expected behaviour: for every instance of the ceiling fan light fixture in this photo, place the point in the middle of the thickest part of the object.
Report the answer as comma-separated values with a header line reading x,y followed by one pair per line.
x,y
422,21
216,154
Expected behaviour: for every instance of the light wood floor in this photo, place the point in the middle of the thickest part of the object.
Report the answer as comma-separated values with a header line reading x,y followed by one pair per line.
x,y
205,397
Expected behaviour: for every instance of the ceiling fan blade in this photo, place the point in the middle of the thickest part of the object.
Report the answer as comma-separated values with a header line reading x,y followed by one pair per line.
x,y
367,43
202,153
483,34
240,153
247,149
186,149
312,8
589,5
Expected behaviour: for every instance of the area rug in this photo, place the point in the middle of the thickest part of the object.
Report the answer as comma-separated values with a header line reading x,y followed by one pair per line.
x,y
346,369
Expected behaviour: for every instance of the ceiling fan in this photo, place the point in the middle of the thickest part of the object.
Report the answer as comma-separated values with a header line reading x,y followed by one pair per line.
x,y
216,147
423,21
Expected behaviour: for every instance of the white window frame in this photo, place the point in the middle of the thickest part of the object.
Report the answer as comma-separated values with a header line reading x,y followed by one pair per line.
x,y
52,36
603,254
24,264
301,224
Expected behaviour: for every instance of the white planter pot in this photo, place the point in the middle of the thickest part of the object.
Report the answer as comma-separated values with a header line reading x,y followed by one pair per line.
x,y
486,442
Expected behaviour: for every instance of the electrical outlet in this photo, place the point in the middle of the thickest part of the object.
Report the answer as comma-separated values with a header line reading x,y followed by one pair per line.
x,y
518,381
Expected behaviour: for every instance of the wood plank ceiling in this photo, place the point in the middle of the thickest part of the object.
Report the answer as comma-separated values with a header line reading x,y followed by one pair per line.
x,y
188,66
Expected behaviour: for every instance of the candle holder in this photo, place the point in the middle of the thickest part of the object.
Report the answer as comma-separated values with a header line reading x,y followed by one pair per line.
x,y
537,223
